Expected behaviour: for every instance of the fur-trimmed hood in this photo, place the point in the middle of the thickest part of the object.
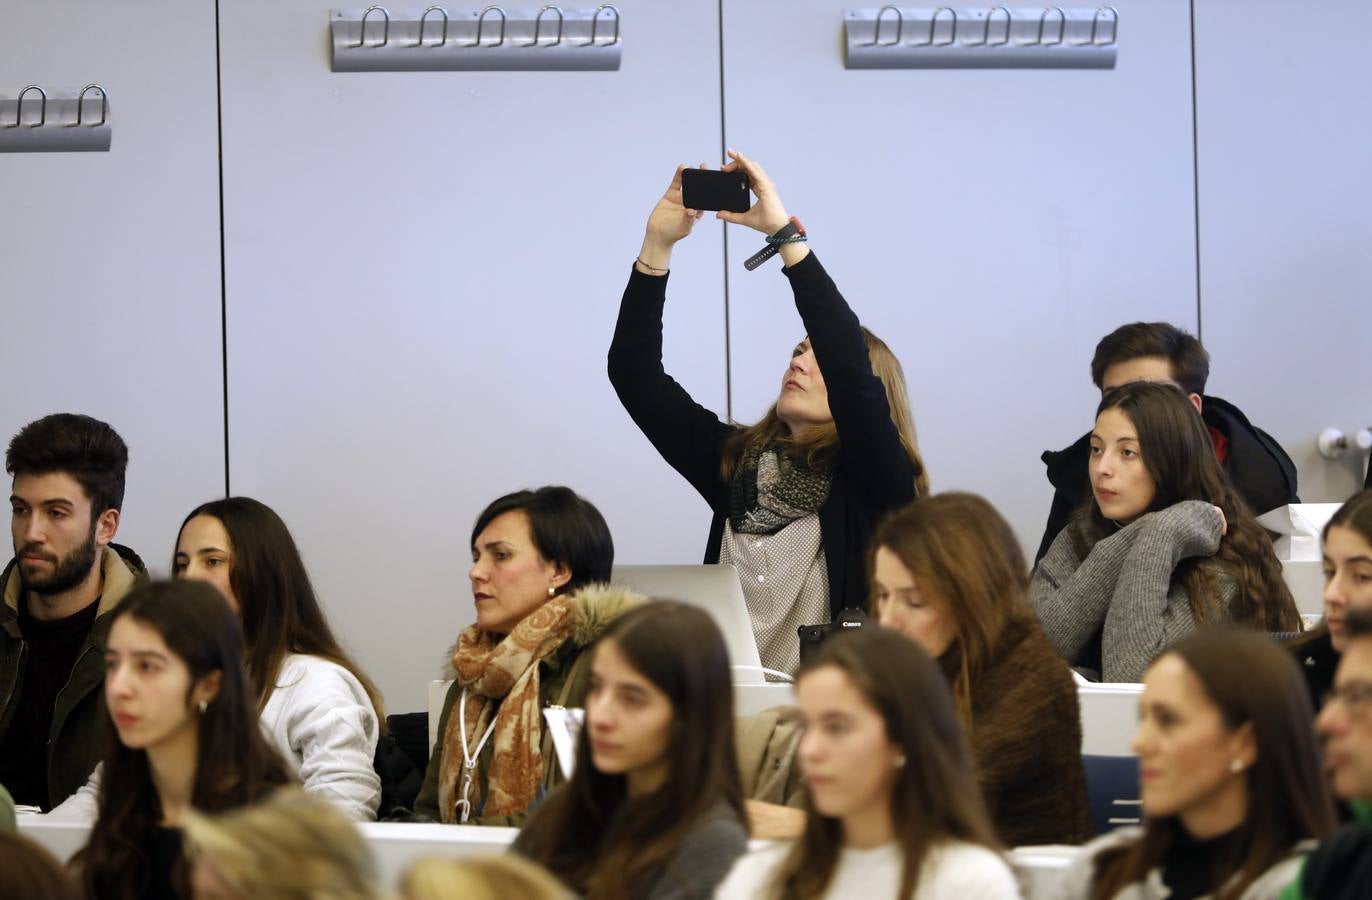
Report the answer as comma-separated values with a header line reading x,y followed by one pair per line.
x,y
597,605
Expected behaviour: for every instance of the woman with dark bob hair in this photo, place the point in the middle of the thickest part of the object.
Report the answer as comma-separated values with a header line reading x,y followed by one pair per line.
x,y
654,808
893,807
1164,547
185,736
1231,780
538,558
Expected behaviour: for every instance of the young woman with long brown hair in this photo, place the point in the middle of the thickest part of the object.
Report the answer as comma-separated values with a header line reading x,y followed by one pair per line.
x,y
948,572
893,806
1165,546
1231,779
796,496
318,707
654,808
185,735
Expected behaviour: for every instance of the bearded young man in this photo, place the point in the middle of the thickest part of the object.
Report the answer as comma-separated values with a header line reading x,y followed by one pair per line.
x,y
66,577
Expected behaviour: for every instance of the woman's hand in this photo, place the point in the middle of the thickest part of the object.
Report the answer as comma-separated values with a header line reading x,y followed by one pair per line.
x,y
768,214
668,223
1224,523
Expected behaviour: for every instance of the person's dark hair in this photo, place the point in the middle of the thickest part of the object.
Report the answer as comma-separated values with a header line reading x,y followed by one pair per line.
x,y
236,765
1253,682
961,549
28,870
1358,623
1189,360
1179,456
566,528
84,448
280,611
935,797
589,832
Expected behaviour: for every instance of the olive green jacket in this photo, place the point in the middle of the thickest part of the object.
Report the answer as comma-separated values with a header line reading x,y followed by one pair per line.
x,y
563,677
79,717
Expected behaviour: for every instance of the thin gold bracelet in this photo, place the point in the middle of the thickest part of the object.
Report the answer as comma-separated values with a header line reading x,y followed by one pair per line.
x,y
652,270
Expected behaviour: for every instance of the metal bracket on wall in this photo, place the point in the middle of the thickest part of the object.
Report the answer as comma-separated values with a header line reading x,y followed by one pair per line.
x,y
35,120
996,37
493,39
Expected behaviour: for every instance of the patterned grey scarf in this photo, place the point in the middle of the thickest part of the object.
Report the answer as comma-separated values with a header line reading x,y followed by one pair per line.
x,y
770,490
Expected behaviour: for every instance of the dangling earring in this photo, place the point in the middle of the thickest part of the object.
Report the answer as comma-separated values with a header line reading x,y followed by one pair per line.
x,y
1236,766
204,705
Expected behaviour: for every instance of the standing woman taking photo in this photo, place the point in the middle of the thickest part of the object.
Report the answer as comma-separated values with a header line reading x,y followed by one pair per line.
x,y
796,496
185,736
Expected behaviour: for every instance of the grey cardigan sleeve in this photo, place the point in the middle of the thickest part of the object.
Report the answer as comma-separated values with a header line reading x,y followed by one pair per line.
x,y
701,861
1124,587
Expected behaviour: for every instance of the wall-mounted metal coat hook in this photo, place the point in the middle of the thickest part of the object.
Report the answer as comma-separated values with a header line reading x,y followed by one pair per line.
x,y
80,105
424,20
900,27
595,24
489,38
947,37
42,107
385,26
538,25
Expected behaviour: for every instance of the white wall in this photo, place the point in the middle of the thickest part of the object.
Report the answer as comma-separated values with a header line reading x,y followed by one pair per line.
x,y
109,262
422,270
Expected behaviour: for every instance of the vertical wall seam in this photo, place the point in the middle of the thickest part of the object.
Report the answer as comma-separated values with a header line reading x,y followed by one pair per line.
x,y
1195,170
223,267
724,226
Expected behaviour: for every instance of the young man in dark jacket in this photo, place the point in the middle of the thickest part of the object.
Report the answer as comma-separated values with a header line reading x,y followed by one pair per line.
x,y
55,599
1341,867
1156,351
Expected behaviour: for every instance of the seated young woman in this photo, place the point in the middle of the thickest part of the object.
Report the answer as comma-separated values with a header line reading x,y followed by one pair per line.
x,y
537,558
1347,546
654,807
795,497
1230,776
318,708
185,736
1165,546
894,809
949,573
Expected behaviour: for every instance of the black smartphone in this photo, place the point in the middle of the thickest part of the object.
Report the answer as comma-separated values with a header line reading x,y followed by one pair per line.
x,y
712,189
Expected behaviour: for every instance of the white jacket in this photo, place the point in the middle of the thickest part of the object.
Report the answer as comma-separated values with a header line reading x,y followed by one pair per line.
x,y
321,721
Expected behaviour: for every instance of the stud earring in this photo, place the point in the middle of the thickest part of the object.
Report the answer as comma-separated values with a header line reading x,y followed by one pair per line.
x,y
204,705
552,591
1236,766
900,761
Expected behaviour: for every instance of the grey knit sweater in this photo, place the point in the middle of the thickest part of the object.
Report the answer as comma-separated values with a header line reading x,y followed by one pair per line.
x,y
1125,588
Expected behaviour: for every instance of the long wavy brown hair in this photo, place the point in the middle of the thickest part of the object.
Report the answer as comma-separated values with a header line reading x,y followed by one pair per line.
x,y
964,551
1179,455
596,839
281,613
935,797
820,443
236,765
1254,682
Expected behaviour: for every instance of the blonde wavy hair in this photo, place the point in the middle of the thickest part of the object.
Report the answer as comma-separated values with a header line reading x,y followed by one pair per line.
x,y
821,442
504,877
289,847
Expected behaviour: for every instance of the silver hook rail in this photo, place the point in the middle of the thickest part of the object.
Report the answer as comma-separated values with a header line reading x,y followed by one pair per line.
x,y
37,120
493,38
985,37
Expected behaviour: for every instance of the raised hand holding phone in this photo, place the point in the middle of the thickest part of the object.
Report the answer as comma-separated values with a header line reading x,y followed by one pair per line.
x,y
768,214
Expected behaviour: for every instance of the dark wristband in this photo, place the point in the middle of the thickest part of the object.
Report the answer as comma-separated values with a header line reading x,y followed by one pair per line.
x,y
785,235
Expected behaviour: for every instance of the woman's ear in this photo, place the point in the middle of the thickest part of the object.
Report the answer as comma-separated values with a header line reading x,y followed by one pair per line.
x,y
561,574
207,688
1244,746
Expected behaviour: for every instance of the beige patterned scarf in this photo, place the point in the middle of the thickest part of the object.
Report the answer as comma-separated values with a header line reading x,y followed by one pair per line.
x,y
501,677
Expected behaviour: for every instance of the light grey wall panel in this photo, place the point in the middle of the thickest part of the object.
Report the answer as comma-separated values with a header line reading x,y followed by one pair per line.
x,y
991,226
1286,221
423,275
110,261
